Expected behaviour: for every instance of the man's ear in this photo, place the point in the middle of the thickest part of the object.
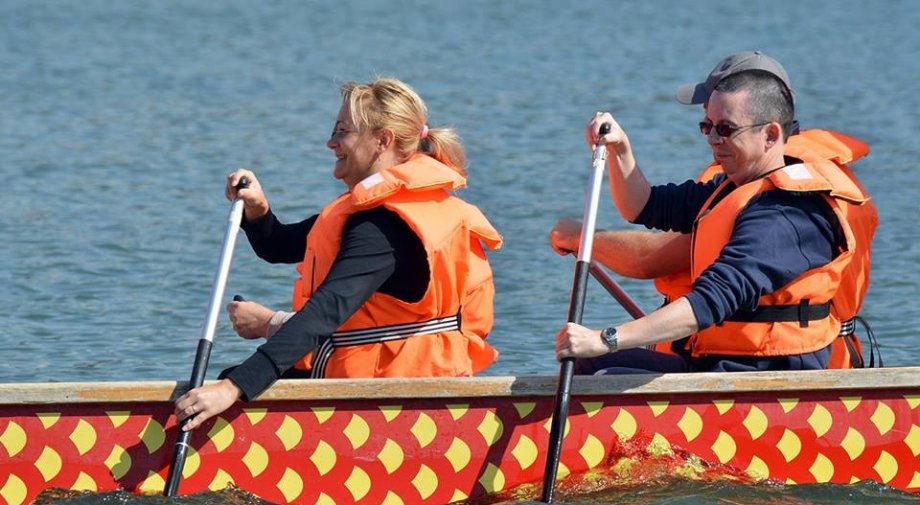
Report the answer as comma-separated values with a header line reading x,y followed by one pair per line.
x,y
774,133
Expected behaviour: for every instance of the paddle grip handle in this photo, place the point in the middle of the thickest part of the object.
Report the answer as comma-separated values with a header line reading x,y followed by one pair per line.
x,y
243,183
600,150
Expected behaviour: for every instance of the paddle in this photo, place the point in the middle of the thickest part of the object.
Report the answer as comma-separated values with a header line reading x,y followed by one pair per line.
x,y
576,309
203,354
616,291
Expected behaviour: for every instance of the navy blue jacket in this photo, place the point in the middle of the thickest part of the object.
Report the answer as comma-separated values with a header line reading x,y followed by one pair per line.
x,y
777,237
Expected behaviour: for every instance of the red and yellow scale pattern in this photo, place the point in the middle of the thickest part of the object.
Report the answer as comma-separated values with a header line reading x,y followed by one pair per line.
x,y
436,451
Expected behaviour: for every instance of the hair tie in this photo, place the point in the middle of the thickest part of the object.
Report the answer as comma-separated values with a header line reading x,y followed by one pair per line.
x,y
424,133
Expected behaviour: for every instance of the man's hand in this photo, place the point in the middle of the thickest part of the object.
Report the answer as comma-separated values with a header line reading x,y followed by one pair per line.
x,y
565,237
616,140
576,341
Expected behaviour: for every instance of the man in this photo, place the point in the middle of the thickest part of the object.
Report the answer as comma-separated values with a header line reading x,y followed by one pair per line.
x,y
664,256
769,240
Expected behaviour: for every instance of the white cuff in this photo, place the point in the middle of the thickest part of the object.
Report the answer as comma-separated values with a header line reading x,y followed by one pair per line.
x,y
278,319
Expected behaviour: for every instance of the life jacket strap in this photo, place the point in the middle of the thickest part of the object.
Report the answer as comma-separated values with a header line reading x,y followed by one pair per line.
x,y
873,343
856,359
848,327
802,312
378,335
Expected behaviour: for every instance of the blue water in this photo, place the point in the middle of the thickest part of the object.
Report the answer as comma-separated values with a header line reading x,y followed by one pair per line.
x,y
119,121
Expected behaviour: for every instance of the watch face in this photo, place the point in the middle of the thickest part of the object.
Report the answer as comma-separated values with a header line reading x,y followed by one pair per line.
x,y
609,335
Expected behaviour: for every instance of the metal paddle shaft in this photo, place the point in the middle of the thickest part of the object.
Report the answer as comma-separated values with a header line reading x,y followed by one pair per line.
x,y
205,342
576,310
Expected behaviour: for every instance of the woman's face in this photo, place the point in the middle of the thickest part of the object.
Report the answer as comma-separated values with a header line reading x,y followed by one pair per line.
x,y
355,152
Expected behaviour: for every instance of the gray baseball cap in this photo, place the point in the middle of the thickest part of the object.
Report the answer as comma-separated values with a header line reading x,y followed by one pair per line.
x,y
749,60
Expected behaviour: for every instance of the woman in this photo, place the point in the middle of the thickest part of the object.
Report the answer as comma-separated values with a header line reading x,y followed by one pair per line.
x,y
393,281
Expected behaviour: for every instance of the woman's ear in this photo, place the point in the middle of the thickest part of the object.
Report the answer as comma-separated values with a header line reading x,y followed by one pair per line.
x,y
385,139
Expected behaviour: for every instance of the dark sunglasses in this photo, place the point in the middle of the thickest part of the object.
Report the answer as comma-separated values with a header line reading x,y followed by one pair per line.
x,y
724,130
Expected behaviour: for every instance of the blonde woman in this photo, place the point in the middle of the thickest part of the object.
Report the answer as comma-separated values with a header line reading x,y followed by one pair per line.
x,y
393,277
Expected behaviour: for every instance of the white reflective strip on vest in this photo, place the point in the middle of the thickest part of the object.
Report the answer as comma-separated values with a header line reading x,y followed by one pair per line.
x,y
320,358
377,335
797,172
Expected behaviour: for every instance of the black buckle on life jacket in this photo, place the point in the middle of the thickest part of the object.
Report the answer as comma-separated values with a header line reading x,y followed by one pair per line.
x,y
848,327
803,313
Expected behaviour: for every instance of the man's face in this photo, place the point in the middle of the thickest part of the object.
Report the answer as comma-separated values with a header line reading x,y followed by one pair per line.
x,y
742,153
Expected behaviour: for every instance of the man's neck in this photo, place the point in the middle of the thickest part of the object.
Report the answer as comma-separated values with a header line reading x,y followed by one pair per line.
x,y
774,160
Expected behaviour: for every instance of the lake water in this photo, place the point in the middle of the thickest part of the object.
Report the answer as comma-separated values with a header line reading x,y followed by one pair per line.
x,y
119,121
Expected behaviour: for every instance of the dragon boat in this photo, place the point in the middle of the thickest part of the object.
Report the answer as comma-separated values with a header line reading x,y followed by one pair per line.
x,y
469,440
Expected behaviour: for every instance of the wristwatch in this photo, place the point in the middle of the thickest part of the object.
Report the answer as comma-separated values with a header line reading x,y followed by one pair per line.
x,y
609,336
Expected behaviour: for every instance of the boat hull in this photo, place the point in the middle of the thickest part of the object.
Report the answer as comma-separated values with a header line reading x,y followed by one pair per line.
x,y
479,439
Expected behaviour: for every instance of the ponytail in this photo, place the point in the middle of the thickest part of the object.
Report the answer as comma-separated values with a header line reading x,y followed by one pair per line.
x,y
443,144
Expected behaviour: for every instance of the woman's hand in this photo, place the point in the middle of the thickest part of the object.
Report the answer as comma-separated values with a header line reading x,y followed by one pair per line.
x,y
255,204
250,320
576,341
205,402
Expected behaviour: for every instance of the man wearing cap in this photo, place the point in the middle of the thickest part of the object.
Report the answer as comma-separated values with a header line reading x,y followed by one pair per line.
x,y
663,256
738,293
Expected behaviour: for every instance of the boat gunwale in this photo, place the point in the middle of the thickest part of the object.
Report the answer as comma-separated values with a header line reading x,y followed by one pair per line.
x,y
900,378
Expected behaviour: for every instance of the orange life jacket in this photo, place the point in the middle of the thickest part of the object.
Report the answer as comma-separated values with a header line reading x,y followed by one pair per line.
x,y
677,285
846,352
796,318
443,334
811,145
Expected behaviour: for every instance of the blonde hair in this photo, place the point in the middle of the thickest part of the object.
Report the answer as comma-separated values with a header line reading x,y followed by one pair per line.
x,y
393,104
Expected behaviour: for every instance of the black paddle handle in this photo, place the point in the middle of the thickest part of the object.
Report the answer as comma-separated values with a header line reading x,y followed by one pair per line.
x,y
197,379
181,447
199,368
564,387
567,366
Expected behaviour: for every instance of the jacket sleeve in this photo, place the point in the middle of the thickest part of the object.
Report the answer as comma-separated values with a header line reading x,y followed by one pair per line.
x,y
276,242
